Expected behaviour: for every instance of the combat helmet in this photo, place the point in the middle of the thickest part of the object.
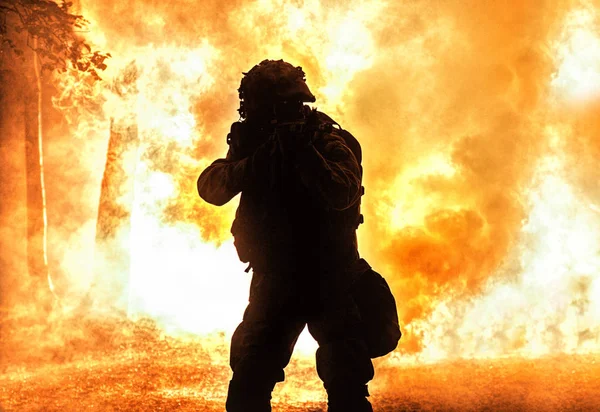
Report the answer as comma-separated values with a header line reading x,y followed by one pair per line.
x,y
270,82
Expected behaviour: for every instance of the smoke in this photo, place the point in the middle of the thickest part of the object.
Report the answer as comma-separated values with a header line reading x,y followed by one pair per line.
x,y
578,80
456,105
452,115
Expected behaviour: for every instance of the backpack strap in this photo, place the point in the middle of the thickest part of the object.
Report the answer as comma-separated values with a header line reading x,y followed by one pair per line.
x,y
350,140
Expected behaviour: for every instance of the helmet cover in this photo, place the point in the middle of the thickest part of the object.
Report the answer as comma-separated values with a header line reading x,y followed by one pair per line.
x,y
272,81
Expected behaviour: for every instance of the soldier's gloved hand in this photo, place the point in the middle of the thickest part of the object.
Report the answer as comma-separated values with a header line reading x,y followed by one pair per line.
x,y
243,141
265,162
235,139
294,141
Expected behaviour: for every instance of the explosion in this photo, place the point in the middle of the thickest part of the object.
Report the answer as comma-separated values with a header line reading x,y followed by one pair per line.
x,y
480,139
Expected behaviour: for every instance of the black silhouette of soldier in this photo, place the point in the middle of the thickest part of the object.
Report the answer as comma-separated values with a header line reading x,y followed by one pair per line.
x,y
299,175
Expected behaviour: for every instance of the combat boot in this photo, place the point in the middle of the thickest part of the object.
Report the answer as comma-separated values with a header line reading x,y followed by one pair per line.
x,y
245,396
349,399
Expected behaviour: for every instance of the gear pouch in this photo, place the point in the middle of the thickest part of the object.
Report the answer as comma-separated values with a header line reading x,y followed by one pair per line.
x,y
377,307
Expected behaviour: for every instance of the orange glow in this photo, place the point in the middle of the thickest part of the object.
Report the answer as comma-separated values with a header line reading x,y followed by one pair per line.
x,y
479,128
456,188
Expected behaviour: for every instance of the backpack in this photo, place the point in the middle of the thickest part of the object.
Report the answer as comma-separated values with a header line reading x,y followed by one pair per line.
x,y
349,139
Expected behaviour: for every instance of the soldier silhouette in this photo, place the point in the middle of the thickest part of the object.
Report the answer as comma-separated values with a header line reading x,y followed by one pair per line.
x,y
300,179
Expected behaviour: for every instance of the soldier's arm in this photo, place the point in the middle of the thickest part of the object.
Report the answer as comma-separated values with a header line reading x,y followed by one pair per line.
x,y
330,169
225,178
222,180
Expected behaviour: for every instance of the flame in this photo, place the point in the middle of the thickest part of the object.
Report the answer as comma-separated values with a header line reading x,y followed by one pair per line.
x,y
550,306
184,270
578,52
479,139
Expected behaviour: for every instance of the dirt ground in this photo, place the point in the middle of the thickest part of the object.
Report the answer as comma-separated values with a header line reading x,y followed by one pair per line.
x,y
140,370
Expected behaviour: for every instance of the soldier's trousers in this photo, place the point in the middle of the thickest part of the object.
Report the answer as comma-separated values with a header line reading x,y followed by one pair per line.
x,y
280,306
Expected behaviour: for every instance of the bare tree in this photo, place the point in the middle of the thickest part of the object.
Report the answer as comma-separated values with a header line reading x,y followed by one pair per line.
x,y
110,286
38,37
52,32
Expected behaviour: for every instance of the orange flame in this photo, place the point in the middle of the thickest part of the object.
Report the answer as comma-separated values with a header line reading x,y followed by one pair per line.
x,y
479,145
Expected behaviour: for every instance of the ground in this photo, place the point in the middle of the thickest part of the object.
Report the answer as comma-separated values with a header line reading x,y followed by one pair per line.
x,y
134,367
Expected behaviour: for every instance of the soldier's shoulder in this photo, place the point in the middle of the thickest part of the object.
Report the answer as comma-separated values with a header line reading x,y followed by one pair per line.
x,y
324,117
336,133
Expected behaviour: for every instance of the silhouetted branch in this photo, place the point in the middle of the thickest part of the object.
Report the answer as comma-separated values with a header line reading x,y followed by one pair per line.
x,y
57,33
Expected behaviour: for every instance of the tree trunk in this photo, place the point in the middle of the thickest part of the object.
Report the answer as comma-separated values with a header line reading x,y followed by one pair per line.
x,y
37,258
13,213
110,288
6,186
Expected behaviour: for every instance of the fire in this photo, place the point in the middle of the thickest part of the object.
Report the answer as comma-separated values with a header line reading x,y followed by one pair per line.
x,y
549,306
578,75
477,210
403,211
184,269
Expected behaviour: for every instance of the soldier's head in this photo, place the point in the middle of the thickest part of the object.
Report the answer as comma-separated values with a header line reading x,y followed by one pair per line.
x,y
273,89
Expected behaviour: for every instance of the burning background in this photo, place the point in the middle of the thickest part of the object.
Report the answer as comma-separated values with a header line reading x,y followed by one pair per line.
x,y
479,127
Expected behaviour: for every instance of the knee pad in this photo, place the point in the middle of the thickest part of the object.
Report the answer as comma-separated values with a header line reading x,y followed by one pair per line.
x,y
344,363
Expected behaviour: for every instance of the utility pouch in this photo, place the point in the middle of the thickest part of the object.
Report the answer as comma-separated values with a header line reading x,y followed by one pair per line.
x,y
377,307
240,241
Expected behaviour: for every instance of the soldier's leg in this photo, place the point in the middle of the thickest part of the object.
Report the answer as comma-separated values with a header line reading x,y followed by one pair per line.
x,y
343,363
262,345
